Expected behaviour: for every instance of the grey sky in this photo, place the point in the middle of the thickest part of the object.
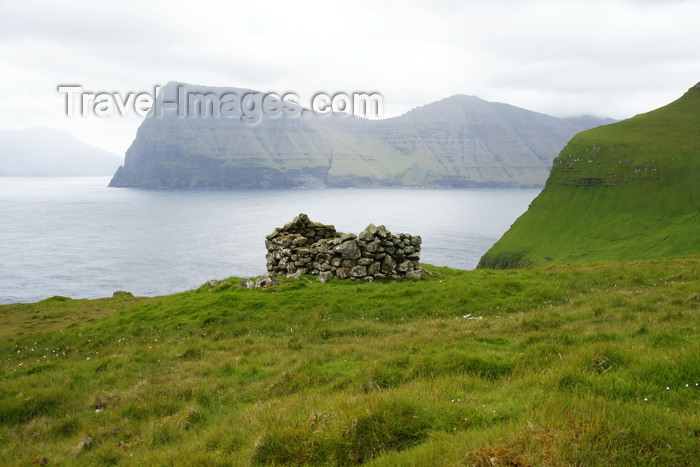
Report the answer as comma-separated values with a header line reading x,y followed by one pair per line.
x,y
607,58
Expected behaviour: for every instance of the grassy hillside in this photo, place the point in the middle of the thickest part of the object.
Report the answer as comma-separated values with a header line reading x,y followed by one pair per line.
x,y
592,364
629,190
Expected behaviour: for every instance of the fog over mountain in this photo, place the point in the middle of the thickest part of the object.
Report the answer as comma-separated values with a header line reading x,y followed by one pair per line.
x,y
460,141
589,121
44,152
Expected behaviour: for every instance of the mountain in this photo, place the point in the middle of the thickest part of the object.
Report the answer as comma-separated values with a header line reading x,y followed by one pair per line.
x,y
630,190
44,152
460,141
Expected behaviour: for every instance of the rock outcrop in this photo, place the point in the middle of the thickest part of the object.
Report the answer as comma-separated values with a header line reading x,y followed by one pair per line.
x,y
306,247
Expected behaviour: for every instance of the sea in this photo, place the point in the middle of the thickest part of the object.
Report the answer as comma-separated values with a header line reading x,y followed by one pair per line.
x,y
77,238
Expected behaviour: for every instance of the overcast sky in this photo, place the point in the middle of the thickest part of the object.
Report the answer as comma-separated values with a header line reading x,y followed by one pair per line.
x,y
606,58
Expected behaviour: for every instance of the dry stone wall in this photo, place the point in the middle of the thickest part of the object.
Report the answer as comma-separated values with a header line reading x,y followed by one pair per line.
x,y
306,247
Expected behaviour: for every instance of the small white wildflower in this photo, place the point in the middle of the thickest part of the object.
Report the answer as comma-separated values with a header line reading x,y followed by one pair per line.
x,y
668,388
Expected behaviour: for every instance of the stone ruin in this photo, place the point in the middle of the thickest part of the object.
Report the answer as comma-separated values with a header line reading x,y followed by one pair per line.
x,y
306,247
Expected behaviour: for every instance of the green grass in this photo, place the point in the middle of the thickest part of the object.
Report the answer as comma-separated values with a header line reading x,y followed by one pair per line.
x,y
588,364
624,191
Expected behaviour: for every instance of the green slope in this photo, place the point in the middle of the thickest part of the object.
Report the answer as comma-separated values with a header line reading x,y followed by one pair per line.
x,y
587,364
629,190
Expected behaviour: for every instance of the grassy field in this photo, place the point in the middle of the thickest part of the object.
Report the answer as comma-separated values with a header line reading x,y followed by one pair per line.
x,y
630,190
586,364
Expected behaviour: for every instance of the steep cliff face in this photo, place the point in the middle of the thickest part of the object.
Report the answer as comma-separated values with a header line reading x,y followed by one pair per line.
x,y
460,141
629,190
171,151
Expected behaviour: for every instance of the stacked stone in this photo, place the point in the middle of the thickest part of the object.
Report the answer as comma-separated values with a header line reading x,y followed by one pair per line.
x,y
306,247
289,247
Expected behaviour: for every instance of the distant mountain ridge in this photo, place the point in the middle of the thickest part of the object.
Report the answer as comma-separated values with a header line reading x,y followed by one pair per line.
x,y
460,141
45,152
586,122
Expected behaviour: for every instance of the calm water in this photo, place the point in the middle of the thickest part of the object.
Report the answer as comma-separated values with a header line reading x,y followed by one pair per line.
x,y
76,237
